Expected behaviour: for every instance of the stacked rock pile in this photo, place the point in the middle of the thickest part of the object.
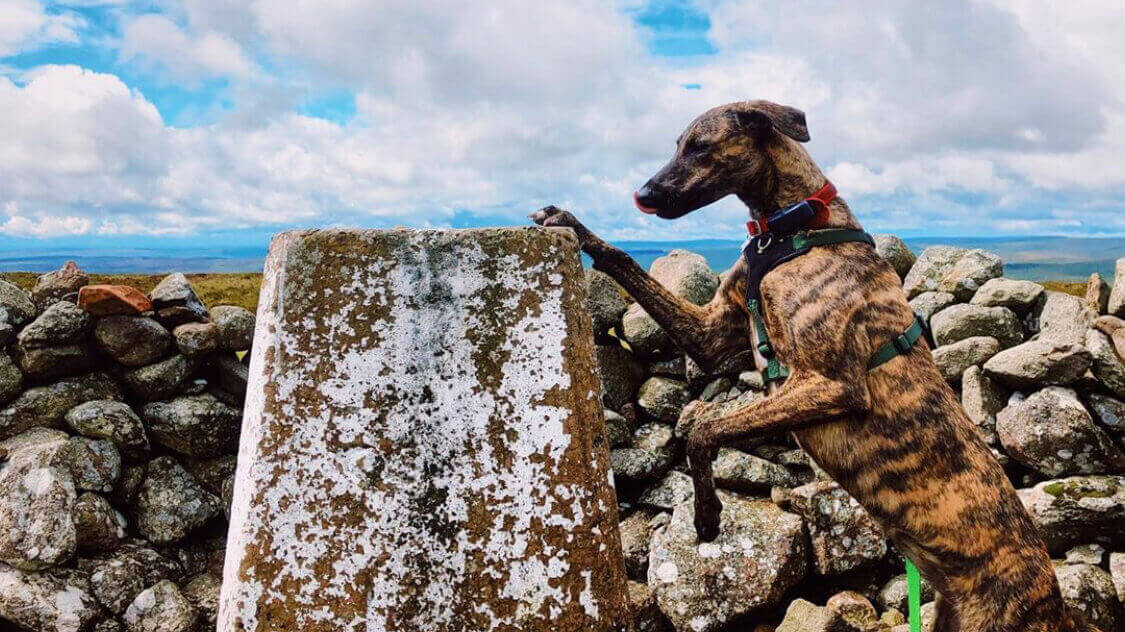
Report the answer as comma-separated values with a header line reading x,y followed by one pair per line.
x,y
1039,372
119,423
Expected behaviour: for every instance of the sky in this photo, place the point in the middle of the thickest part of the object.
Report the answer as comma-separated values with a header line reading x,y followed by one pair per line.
x,y
195,122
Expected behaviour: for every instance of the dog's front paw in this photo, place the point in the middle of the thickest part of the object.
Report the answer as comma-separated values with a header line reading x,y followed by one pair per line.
x,y
554,216
707,515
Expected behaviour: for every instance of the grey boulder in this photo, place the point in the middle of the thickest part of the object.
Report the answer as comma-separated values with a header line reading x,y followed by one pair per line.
x,y
605,300
646,338
1053,433
1077,510
927,304
895,252
16,303
37,497
958,322
954,359
1090,590
843,535
663,398
1063,318
236,327
175,302
45,601
132,340
930,268
162,380
59,324
982,398
687,275
759,554
100,527
1039,363
161,608
1018,296
196,339
198,426
737,471
621,376
1107,365
969,272
1116,304
112,420
170,504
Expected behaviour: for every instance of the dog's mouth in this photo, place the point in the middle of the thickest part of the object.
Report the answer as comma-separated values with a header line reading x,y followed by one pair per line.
x,y
647,210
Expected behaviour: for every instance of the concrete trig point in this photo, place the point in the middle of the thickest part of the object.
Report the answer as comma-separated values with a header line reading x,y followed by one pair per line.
x,y
422,444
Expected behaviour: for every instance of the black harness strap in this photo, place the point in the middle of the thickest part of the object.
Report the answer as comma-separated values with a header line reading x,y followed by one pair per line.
x,y
765,252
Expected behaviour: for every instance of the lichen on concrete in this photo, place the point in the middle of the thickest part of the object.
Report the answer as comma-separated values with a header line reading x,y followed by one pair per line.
x,y
422,447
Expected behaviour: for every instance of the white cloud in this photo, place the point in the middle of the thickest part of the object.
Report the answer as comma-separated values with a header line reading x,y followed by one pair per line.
x,y
157,40
25,24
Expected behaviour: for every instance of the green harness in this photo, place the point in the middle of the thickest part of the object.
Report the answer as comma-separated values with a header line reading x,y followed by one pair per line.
x,y
761,258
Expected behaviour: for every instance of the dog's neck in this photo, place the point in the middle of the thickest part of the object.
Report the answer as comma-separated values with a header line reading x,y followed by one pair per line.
x,y
789,176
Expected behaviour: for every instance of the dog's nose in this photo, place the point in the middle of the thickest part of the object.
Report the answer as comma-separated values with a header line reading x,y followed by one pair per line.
x,y
645,199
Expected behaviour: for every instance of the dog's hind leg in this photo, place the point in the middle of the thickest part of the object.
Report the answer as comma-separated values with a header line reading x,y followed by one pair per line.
x,y
711,334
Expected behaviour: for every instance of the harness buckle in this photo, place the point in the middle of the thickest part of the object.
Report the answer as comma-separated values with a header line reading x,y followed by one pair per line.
x,y
902,344
766,349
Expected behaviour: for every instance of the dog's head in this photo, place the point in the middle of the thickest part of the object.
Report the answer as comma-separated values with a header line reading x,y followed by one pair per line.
x,y
724,151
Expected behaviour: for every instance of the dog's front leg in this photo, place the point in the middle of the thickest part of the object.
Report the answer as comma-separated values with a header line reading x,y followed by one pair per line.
x,y
708,334
806,398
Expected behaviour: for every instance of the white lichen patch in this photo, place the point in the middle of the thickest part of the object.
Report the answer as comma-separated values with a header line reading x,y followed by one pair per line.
x,y
418,443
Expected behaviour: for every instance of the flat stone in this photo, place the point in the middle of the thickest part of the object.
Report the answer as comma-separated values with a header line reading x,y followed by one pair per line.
x,y
805,616
198,426
982,398
53,363
958,322
1053,433
605,300
117,578
132,340
843,535
687,275
646,338
1097,294
59,324
929,269
673,489
1018,296
1090,590
1086,554
658,439
57,285
663,399
112,420
1037,363
1077,510
1117,572
1107,366
674,367
969,272
175,302
236,327
1116,304
954,359
162,608
927,304
737,471
1113,327
170,504
895,251
196,339
621,376
37,496
98,525
162,380
1064,319
632,466
43,601
759,554
430,394
16,303
212,472
109,300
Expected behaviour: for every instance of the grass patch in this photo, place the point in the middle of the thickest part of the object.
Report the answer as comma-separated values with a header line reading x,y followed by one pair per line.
x,y
1068,287
240,288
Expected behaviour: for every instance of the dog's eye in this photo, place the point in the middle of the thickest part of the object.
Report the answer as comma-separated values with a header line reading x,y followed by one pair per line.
x,y
694,146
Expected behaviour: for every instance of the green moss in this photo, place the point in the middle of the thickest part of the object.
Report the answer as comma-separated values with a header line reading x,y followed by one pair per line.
x,y
1088,487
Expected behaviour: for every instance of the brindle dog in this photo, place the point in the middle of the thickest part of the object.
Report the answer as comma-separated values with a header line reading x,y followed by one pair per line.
x,y
895,437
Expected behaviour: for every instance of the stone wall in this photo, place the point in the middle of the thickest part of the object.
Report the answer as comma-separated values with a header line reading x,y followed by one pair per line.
x,y
119,425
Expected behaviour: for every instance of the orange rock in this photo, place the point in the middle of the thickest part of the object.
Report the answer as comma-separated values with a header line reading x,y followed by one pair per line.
x,y
105,300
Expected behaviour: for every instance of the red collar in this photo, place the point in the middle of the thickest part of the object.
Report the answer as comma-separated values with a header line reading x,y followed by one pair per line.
x,y
819,201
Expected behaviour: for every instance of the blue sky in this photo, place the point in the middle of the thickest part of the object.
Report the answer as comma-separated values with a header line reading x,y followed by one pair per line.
x,y
189,123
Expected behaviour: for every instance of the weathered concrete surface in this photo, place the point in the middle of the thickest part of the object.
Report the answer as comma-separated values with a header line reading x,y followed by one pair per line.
x,y
421,448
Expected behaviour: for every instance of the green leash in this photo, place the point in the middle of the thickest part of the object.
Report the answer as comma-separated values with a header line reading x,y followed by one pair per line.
x,y
914,596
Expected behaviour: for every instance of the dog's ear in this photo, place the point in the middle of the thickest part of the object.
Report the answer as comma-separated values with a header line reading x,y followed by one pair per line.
x,y
763,117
